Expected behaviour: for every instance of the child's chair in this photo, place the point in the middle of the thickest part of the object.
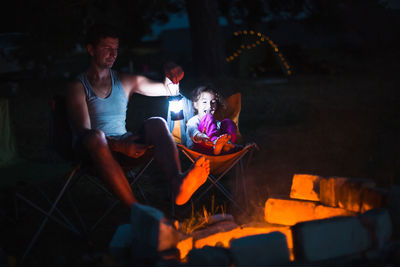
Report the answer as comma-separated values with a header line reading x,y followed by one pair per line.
x,y
220,164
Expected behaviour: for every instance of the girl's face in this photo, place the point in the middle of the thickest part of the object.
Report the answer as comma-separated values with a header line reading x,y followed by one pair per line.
x,y
207,103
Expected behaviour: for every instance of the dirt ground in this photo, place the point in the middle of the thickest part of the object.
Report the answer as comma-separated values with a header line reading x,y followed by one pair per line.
x,y
343,121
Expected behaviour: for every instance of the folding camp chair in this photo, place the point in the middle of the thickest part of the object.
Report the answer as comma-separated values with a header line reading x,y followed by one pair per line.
x,y
61,143
219,165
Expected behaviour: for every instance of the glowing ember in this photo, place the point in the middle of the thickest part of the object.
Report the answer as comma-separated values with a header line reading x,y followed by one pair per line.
x,y
224,238
185,246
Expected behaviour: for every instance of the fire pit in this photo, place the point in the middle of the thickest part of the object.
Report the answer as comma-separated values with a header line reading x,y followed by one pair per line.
x,y
324,218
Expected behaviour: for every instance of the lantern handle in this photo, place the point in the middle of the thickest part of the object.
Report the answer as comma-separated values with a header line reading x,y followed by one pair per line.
x,y
168,82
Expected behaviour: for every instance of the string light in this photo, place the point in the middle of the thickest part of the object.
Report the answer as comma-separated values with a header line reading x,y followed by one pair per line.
x,y
262,39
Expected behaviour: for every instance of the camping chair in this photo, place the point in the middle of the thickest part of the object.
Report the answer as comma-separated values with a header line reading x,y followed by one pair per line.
x,y
220,165
61,144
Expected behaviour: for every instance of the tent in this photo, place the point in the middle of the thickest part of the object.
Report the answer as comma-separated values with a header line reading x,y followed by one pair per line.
x,y
253,54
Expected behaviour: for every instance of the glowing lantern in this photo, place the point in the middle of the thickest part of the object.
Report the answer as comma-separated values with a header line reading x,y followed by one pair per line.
x,y
176,107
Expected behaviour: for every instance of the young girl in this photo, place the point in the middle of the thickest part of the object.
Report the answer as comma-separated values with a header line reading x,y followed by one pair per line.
x,y
205,134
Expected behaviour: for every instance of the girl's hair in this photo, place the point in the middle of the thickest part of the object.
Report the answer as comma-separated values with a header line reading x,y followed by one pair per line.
x,y
209,89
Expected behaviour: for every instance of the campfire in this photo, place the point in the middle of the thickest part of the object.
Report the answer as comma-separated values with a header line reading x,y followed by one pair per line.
x,y
324,218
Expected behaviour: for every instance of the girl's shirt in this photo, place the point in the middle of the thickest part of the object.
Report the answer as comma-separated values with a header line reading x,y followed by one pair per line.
x,y
192,128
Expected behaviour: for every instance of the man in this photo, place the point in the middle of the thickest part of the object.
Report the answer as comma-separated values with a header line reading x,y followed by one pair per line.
x,y
97,104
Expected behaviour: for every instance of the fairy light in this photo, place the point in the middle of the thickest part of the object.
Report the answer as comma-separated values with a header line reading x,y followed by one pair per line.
x,y
261,39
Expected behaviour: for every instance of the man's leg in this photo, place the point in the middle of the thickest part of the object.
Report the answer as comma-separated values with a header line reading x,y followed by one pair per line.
x,y
166,155
107,167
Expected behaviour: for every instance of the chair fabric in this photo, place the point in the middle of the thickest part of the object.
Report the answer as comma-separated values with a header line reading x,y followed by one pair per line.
x,y
221,165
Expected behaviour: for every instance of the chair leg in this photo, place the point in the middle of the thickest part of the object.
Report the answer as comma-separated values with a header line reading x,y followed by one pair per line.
x,y
49,214
244,186
135,178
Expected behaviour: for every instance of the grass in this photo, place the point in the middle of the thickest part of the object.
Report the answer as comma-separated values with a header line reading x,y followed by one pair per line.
x,y
199,219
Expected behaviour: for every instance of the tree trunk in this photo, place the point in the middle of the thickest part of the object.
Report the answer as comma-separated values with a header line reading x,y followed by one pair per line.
x,y
207,41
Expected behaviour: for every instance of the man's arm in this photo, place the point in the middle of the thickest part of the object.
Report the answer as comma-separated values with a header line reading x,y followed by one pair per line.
x,y
78,114
144,86
136,84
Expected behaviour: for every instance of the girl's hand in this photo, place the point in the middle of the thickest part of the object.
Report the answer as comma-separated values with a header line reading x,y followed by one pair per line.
x,y
202,138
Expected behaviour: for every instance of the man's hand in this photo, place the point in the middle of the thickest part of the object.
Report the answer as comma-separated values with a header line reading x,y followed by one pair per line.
x,y
137,150
173,72
128,146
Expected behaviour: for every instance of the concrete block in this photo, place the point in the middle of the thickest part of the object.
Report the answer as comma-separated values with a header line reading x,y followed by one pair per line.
x,y
329,238
291,211
260,250
349,194
305,186
209,256
379,223
323,212
225,238
150,232
288,211
373,197
120,245
328,189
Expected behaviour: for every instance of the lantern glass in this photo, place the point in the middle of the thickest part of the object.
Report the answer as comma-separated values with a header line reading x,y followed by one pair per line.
x,y
176,107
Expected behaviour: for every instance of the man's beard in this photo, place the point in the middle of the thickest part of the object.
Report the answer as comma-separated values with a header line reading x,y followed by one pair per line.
x,y
108,65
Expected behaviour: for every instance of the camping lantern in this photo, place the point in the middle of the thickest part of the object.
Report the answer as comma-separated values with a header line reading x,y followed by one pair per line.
x,y
176,107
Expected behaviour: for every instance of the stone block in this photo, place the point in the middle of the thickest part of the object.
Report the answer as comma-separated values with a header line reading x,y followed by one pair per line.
x,y
288,211
120,245
323,212
349,194
379,223
151,233
329,238
305,186
209,256
329,190
260,250
225,238
291,211
373,197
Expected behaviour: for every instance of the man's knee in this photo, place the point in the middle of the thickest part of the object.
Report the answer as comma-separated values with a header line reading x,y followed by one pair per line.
x,y
94,139
155,124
